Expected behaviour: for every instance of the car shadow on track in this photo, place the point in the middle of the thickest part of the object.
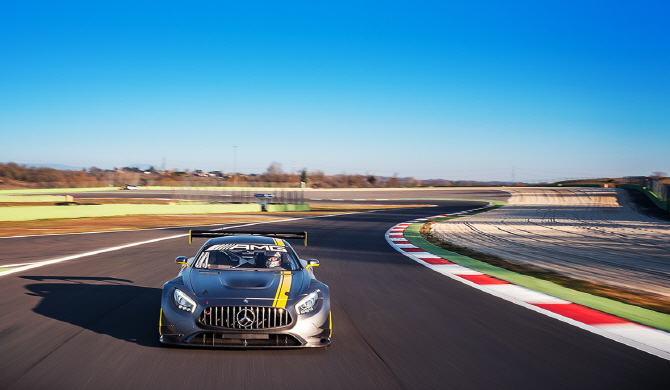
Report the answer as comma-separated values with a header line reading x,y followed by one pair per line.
x,y
107,306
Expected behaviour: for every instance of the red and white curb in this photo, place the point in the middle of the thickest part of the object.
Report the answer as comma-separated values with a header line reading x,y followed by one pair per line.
x,y
653,341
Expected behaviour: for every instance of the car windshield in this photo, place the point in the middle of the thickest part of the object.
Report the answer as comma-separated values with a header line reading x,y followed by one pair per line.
x,y
246,257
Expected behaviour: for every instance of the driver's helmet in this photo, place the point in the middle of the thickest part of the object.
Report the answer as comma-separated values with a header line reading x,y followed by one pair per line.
x,y
273,260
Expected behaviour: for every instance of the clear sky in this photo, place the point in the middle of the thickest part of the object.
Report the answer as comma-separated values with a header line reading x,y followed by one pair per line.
x,y
455,90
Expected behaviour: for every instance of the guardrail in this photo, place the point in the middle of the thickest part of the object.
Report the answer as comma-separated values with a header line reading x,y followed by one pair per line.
x,y
239,195
650,183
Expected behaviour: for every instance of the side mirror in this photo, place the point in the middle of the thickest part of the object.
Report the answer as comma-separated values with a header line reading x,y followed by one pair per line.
x,y
312,263
181,260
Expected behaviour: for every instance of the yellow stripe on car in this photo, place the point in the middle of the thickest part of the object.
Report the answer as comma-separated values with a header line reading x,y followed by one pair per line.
x,y
283,289
160,322
281,280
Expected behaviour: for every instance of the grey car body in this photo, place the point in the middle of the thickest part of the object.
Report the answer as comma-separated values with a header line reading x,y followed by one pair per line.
x,y
231,294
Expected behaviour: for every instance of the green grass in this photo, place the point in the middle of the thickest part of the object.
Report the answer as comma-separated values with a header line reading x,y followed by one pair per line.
x,y
32,213
56,190
278,208
150,188
32,198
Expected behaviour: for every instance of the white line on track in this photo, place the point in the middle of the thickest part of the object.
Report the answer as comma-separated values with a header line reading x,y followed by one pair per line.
x,y
13,265
72,257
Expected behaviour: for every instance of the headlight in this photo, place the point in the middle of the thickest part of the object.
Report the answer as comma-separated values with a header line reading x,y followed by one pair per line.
x,y
307,304
183,301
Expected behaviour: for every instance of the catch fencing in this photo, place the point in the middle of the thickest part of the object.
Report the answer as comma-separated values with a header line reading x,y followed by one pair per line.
x,y
239,195
652,184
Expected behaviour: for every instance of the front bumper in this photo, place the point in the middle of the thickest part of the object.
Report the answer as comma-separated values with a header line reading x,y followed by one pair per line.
x,y
178,327
232,340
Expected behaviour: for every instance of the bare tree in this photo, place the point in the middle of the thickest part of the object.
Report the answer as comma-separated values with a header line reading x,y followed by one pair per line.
x,y
393,182
274,173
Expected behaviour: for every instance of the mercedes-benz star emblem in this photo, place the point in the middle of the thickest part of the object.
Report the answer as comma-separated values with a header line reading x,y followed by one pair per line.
x,y
245,318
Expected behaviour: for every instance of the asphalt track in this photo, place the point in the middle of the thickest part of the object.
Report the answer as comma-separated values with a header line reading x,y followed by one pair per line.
x,y
92,323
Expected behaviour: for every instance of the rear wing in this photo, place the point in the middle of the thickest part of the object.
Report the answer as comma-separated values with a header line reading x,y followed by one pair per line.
x,y
282,235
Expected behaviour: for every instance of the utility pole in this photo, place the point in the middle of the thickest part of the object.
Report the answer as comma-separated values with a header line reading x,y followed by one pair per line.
x,y
513,175
235,166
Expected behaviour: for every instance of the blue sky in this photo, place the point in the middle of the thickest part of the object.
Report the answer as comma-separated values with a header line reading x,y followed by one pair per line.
x,y
454,90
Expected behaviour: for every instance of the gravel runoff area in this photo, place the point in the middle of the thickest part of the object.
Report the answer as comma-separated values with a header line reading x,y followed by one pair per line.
x,y
594,234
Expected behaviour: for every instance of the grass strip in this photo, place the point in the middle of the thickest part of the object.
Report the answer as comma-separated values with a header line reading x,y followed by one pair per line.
x,y
631,312
151,188
287,207
109,208
28,213
32,198
56,190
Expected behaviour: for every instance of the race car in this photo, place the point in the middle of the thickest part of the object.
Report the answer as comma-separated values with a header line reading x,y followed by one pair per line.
x,y
246,289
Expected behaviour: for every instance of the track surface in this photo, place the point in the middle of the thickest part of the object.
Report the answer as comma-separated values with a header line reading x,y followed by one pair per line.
x,y
92,323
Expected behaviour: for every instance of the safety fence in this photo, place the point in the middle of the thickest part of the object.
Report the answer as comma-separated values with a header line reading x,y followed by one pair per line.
x,y
239,195
662,191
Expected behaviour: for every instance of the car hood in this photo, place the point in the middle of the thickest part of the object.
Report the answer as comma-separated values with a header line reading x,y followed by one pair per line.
x,y
246,284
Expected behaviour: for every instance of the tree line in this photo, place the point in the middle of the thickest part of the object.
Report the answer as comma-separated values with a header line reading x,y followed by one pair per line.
x,y
13,175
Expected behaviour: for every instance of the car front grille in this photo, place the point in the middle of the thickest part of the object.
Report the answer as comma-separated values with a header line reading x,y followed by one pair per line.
x,y
245,317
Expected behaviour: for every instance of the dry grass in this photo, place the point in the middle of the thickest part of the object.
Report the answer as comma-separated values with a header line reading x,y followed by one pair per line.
x,y
129,222
349,208
133,222
636,298
91,201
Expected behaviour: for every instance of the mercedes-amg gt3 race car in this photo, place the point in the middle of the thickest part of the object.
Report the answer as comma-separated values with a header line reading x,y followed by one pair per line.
x,y
246,289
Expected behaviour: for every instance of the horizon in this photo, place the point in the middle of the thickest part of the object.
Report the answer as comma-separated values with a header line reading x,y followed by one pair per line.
x,y
148,167
482,91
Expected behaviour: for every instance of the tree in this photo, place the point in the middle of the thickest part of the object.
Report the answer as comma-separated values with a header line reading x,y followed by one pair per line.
x,y
393,182
303,175
274,173
372,180
659,174
354,181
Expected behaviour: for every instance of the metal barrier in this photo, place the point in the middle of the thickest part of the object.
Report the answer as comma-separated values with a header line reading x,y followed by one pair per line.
x,y
651,183
239,195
